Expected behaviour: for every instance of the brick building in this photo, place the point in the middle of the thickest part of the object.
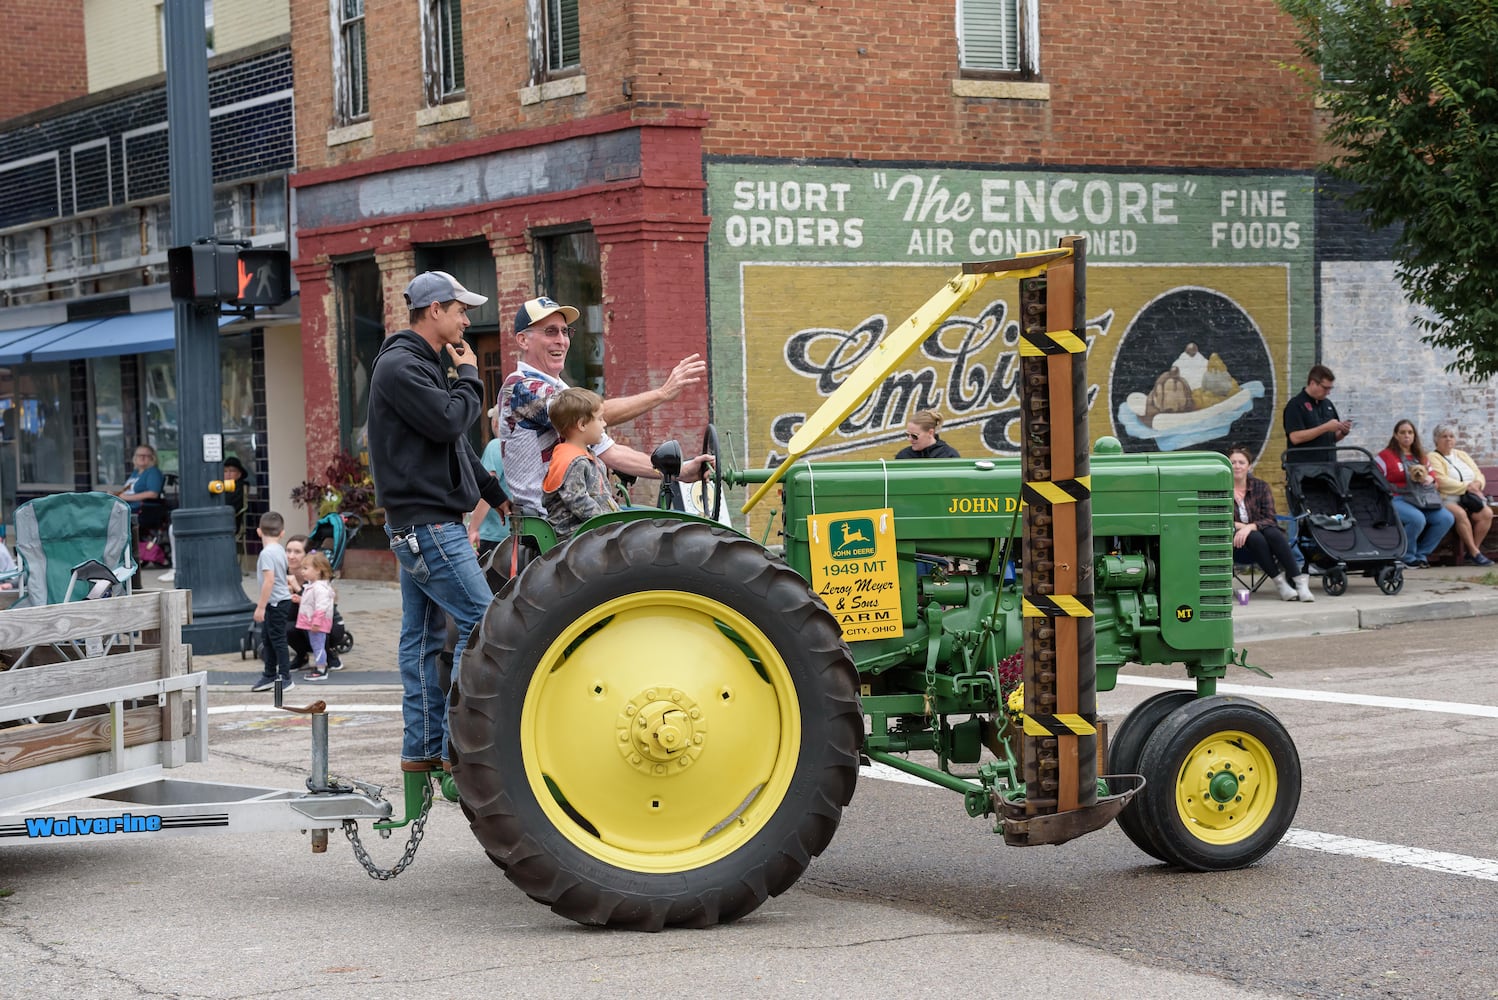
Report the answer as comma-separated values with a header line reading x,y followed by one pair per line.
x,y
87,335
775,185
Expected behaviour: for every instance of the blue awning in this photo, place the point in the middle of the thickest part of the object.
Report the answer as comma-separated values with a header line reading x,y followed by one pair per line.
x,y
131,333
18,349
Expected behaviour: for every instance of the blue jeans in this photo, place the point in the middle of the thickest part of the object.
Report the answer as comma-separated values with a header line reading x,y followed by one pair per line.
x,y
441,578
1423,529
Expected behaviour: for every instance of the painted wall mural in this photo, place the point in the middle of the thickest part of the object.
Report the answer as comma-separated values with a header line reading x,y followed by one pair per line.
x,y
1200,301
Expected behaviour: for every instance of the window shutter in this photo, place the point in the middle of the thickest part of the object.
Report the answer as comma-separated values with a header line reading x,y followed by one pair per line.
x,y
563,50
989,36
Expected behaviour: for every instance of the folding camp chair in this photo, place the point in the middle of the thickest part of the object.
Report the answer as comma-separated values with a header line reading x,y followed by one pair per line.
x,y
73,546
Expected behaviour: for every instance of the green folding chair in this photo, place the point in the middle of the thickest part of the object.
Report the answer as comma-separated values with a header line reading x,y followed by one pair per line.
x,y
73,546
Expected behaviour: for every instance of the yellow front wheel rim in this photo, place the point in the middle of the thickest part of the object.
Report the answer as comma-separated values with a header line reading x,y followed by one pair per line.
x,y
660,731
1226,788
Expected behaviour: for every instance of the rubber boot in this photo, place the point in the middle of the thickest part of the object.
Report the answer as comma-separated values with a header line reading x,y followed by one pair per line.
x,y
1303,588
1287,592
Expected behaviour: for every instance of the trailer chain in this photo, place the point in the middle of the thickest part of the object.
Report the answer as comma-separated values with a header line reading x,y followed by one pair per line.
x,y
418,828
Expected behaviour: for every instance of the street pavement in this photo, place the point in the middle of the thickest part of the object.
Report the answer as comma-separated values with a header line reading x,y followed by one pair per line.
x,y
904,895
371,612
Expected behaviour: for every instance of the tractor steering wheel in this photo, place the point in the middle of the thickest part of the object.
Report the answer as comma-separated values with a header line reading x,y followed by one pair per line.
x,y
707,493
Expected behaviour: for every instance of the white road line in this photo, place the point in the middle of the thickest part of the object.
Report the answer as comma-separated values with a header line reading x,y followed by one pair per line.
x,y
1310,840
1393,854
1335,697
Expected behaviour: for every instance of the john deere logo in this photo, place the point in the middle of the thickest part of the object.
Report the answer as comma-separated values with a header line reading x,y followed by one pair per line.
x,y
853,539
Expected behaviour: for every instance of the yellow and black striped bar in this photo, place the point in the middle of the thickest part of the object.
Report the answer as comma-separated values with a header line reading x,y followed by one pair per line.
x,y
1056,606
1057,491
1038,345
1058,725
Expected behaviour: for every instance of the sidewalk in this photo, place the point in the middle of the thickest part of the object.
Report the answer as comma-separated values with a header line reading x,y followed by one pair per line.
x,y
1434,594
372,614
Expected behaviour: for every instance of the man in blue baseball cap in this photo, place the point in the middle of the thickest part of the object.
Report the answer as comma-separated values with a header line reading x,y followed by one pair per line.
x,y
427,478
543,330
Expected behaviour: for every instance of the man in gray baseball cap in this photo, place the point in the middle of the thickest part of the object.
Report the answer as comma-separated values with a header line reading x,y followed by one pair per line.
x,y
427,478
439,286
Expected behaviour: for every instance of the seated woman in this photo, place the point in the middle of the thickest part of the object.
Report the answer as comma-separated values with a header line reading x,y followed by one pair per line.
x,y
144,492
1462,487
1257,538
1409,471
924,431
145,482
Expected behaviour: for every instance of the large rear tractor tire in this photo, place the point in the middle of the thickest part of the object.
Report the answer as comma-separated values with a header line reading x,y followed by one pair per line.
x,y
658,726
1124,748
1223,784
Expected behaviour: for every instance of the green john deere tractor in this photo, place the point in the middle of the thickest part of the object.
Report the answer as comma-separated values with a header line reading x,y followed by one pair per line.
x,y
660,721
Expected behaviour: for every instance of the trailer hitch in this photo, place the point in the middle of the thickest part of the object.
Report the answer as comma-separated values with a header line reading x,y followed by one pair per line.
x,y
1021,830
418,796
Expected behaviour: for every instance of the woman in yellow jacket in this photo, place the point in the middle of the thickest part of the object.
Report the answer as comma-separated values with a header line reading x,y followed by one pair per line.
x,y
1462,487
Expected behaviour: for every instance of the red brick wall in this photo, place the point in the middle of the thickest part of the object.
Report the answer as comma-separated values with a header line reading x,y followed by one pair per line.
x,y
1190,84
651,234
43,53
1193,83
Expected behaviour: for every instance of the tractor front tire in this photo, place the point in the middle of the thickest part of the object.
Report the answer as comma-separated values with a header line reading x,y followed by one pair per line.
x,y
1124,749
658,726
1223,784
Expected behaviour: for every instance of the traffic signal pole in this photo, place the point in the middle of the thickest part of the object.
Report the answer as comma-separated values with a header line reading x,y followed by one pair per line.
x,y
203,552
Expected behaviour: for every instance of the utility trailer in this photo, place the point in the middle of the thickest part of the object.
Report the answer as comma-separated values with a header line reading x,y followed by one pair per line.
x,y
105,706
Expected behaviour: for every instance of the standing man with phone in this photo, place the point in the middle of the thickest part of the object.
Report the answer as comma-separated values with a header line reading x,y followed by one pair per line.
x,y
1312,426
424,395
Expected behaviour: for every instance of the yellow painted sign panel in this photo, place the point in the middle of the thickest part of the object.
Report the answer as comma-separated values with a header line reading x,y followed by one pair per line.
x,y
856,571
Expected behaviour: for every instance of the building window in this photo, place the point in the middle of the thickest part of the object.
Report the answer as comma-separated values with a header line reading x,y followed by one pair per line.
x,y
361,331
1338,42
44,429
109,431
563,53
350,66
161,30
442,28
998,38
568,269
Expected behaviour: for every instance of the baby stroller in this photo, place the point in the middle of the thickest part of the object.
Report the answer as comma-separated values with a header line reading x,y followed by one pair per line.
x,y
1345,517
331,534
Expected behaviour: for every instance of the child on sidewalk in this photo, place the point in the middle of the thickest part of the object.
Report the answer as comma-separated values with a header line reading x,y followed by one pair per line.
x,y
576,485
316,614
273,608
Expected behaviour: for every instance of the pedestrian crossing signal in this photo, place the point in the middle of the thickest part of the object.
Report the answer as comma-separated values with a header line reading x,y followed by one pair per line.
x,y
229,274
263,278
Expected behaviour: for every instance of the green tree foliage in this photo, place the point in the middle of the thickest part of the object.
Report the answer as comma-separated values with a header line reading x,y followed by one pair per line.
x,y
1411,90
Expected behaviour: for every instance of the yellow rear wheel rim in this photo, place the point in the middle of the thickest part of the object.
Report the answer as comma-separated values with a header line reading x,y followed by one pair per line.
x,y
1226,788
660,731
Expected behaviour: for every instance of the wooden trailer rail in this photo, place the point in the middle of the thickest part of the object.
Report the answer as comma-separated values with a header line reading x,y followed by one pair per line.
x,y
75,728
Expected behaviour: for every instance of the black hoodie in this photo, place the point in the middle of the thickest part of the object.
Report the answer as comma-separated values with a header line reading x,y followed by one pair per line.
x,y
424,470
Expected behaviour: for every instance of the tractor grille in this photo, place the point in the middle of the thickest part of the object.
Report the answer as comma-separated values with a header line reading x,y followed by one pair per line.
x,y
1215,538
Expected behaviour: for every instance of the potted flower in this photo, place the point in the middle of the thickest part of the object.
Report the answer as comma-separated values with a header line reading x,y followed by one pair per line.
x,y
346,488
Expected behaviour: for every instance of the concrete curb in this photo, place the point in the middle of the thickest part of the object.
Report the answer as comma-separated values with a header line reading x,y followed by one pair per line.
x,y
1463,607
